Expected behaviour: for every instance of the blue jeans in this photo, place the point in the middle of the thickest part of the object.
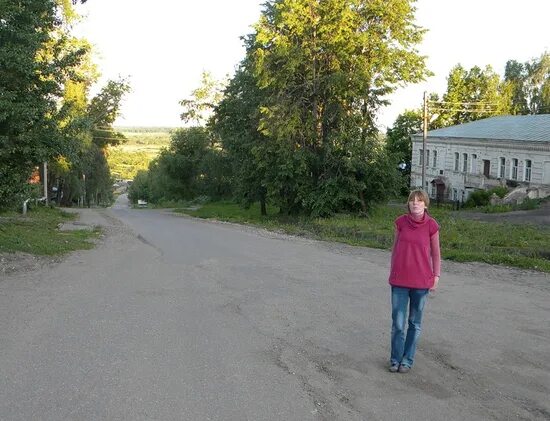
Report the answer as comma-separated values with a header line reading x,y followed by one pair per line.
x,y
403,348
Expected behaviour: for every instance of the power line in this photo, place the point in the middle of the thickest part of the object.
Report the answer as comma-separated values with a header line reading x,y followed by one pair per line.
x,y
464,103
477,107
104,128
108,138
467,110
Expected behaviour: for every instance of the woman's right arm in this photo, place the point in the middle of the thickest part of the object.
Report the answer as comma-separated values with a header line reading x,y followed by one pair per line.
x,y
395,240
436,259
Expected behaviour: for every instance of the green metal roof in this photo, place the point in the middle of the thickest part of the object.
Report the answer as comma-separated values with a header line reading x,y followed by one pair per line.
x,y
533,128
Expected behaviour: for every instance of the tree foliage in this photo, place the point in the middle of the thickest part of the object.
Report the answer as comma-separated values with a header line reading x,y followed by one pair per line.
x,y
296,124
480,93
198,108
87,128
514,78
235,122
530,85
398,137
471,95
45,113
192,166
322,70
399,144
36,59
103,110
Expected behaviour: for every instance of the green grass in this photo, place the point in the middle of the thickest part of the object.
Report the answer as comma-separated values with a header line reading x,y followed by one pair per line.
x,y
141,147
527,204
38,233
523,246
519,245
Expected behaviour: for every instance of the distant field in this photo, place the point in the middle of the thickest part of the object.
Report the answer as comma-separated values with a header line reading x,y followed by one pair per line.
x,y
125,129
144,144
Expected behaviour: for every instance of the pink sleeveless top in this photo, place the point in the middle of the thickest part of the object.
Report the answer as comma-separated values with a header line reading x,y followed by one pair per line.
x,y
412,265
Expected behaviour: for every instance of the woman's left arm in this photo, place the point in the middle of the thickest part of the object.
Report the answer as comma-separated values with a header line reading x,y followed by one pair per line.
x,y
436,258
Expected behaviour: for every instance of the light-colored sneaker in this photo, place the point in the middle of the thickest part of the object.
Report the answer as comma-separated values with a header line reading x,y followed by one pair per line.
x,y
404,369
393,368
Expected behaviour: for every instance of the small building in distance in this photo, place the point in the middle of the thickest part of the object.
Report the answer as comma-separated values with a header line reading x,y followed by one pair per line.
x,y
511,151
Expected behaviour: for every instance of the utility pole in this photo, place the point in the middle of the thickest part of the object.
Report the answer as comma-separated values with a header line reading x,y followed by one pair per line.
x,y
46,181
84,189
424,138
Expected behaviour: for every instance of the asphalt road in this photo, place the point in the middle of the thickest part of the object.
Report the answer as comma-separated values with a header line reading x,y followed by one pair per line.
x,y
172,318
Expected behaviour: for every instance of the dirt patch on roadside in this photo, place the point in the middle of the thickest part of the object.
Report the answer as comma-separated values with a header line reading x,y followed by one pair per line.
x,y
11,263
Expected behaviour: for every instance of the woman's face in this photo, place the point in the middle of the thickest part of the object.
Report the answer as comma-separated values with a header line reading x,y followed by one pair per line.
x,y
417,206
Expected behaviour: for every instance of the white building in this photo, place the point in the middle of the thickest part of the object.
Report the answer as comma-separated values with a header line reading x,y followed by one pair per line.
x,y
504,150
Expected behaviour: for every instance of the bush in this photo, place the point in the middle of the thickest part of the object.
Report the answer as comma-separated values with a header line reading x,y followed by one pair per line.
x,y
528,204
499,191
481,198
478,198
139,189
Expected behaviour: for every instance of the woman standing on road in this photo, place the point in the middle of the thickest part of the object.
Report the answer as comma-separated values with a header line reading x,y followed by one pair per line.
x,y
415,270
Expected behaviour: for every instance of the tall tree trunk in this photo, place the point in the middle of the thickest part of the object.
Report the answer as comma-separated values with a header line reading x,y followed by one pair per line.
x,y
363,203
263,208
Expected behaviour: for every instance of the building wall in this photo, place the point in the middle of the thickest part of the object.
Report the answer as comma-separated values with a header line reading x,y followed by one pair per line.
x,y
460,183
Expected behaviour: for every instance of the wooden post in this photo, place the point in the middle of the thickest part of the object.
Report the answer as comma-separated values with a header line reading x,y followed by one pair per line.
x,y
46,182
424,138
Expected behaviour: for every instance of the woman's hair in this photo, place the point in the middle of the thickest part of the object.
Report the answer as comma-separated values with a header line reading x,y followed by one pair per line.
x,y
419,195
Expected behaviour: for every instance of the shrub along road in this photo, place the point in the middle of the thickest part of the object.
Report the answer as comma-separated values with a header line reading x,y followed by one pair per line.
x,y
175,318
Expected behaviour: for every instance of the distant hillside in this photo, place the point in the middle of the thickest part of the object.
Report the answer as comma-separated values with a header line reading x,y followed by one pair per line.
x,y
143,145
144,129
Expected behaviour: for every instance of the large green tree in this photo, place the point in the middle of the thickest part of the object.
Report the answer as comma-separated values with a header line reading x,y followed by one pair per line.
x,y
88,128
514,79
471,95
529,84
235,122
199,106
37,58
192,166
399,144
324,69
537,84
398,137
296,126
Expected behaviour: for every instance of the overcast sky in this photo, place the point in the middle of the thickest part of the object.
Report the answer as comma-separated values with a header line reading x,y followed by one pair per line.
x,y
164,46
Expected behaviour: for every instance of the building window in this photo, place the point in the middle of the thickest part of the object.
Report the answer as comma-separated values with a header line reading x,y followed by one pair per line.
x,y
455,195
435,159
473,169
502,167
421,157
427,157
528,165
514,170
465,162
457,157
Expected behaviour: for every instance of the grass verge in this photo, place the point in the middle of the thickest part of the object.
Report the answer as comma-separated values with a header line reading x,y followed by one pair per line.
x,y
38,233
523,246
